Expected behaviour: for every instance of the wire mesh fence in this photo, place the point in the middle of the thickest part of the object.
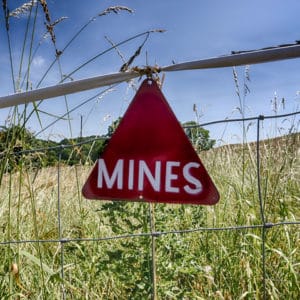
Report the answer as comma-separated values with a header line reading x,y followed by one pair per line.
x,y
56,244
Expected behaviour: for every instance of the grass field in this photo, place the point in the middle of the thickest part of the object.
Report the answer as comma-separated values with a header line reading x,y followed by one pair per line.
x,y
200,264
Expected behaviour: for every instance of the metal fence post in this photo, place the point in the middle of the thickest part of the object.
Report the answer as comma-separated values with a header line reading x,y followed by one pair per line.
x,y
60,226
153,250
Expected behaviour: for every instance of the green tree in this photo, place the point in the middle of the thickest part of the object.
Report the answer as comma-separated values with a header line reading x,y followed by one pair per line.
x,y
13,141
198,136
111,128
14,137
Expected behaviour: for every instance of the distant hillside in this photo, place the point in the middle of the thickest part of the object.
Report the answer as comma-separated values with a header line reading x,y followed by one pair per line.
x,y
287,146
277,141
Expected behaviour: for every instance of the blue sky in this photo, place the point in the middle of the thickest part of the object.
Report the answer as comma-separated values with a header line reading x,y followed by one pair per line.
x,y
194,30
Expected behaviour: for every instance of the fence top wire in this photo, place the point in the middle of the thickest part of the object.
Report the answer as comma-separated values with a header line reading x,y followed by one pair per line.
x,y
78,144
154,233
234,59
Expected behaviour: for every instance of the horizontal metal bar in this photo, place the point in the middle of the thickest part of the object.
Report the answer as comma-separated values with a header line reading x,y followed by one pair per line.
x,y
65,88
243,58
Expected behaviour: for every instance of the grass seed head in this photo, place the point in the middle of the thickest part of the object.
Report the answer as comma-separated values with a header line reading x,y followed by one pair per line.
x,y
23,9
116,10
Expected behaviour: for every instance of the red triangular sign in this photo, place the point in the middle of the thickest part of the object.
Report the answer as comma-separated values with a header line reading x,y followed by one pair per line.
x,y
150,158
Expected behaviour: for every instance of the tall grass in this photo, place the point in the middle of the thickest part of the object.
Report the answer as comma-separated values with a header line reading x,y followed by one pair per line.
x,y
116,260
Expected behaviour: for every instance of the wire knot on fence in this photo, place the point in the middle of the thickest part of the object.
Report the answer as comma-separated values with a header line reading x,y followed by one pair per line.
x,y
148,71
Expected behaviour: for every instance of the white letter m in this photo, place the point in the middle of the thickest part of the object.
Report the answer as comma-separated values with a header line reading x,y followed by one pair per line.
x,y
117,174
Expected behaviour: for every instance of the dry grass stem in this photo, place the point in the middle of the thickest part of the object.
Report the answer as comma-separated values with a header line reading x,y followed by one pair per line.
x,y
6,14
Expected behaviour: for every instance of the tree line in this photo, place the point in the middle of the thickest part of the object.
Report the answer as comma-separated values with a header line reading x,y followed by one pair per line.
x,y
18,146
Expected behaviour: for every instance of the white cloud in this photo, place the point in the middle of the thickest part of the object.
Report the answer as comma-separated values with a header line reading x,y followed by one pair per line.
x,y
38,61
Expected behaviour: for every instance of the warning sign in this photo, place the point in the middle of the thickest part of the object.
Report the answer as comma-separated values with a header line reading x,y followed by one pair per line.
x,y
150,158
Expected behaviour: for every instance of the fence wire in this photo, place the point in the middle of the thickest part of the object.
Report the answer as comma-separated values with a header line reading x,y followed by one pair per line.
x,y
263,226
